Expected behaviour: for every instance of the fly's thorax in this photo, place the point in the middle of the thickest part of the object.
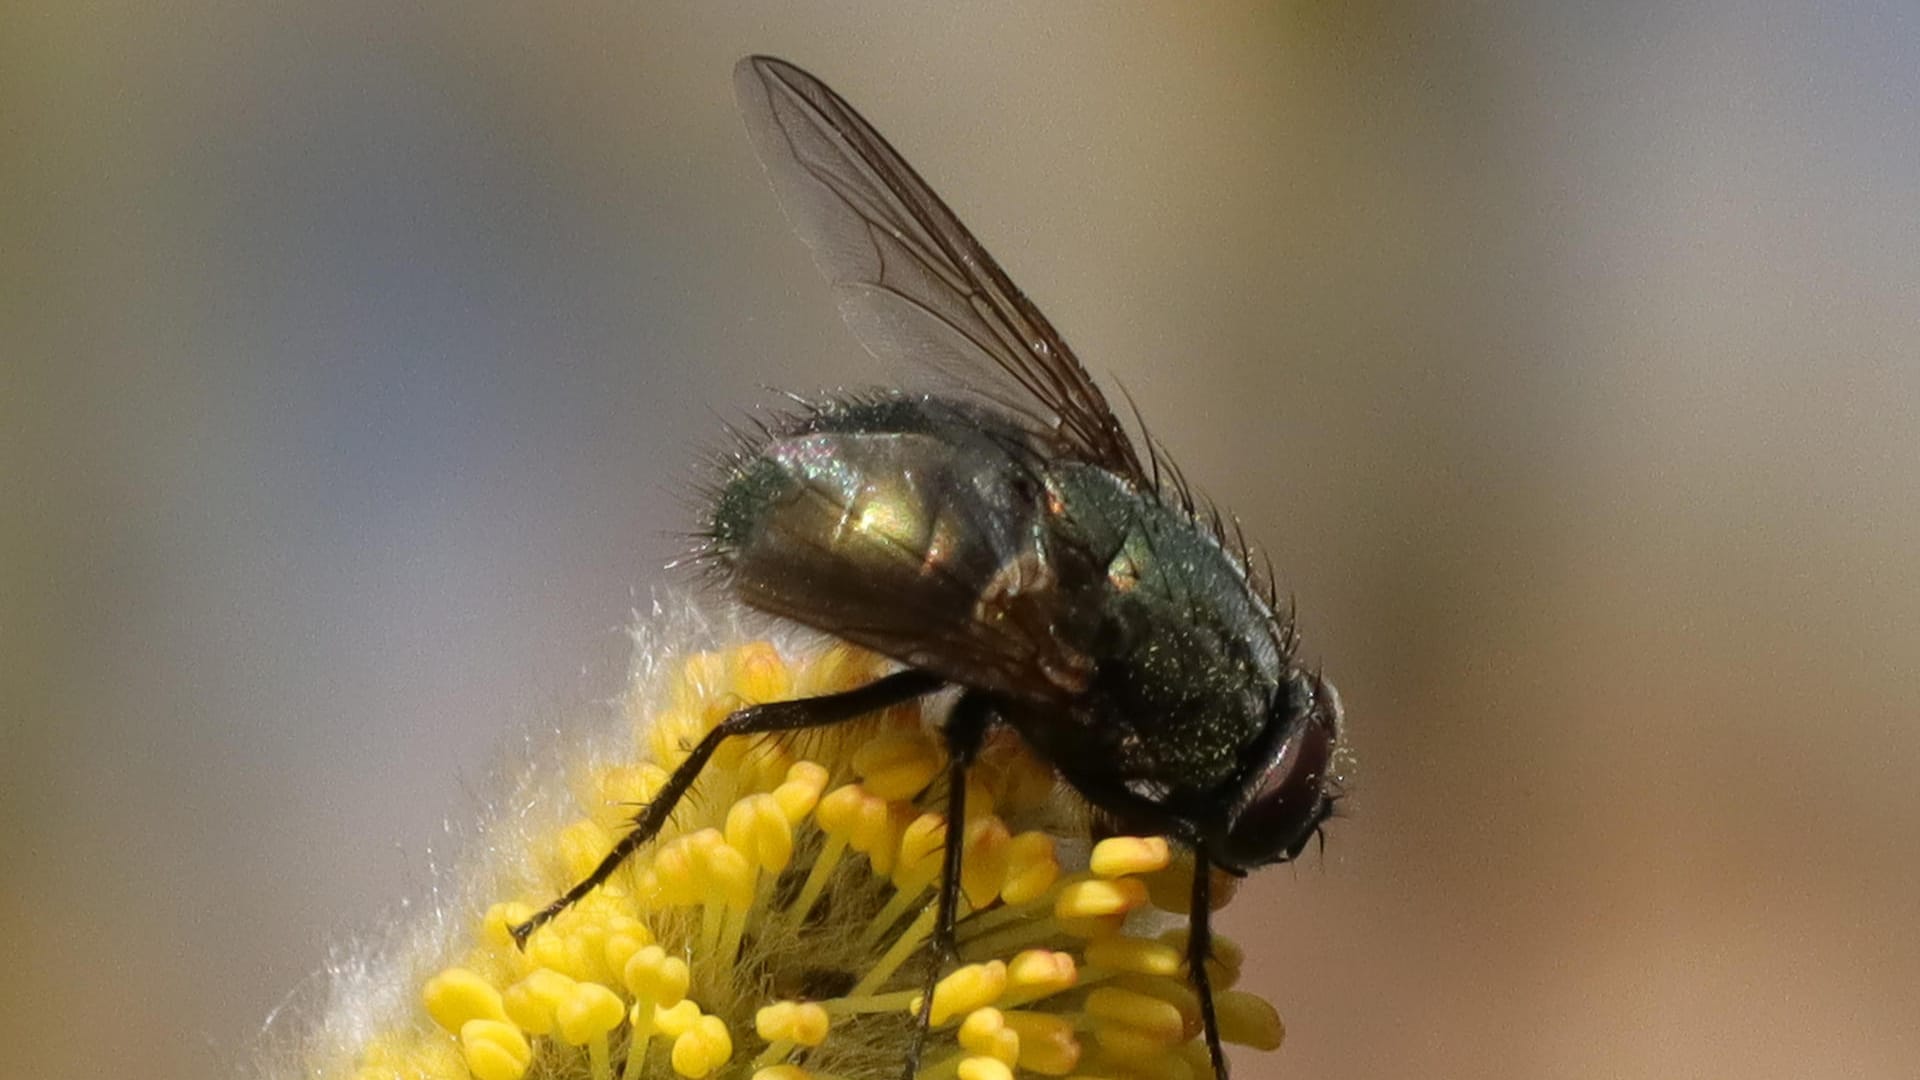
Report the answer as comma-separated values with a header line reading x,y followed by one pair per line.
x,y
1188,662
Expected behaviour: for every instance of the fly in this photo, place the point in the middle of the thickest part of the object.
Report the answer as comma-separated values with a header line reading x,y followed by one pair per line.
x,y
1006,538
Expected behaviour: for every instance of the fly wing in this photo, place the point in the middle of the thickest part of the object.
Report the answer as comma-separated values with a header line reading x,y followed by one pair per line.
x,y
915,285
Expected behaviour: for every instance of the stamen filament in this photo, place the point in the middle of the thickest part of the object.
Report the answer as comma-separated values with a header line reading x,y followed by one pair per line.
x,y
892,1001
900,903
817,878
902,948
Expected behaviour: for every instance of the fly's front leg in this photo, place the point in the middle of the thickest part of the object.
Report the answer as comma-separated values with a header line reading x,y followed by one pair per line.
x,y
1199,951
966,727
752,720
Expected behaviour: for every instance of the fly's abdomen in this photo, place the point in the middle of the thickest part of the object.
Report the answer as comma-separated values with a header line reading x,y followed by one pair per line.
x,y
910,543
818,515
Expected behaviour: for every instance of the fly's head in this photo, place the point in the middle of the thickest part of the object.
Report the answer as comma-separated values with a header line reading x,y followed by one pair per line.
x,y
1292,785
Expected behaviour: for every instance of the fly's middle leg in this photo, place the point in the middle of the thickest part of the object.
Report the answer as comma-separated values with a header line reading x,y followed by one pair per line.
x,y
966,728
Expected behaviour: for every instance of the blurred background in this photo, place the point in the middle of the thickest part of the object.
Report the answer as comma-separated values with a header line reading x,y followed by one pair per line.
x,y
353,362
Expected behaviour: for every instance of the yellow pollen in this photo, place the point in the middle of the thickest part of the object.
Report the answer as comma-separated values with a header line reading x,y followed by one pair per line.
x,y
1038,973
984,1068
839,808
922,847
702,1048
1175,992
582,845
624,939
1223,966
1145,1014
985,1032
532,1001
676,1020
673,734
1248,1020
1033,865
1092,899
800,792
675,875
985,861
494,924
1118,856
758,828
724,872
1048,1045
974,986
623,790
1136,955
804,1023
651,975
757,674
898,765
589,1011
495,1050
1123,1042
457,995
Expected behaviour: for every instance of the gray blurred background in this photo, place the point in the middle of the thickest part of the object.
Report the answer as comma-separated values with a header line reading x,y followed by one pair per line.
x,y
353,362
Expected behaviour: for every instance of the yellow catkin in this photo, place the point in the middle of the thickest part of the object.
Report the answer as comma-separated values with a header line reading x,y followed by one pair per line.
x,y
654,959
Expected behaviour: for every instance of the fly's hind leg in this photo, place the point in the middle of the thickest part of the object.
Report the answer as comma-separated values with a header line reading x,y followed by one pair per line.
x,y
752,720
966,727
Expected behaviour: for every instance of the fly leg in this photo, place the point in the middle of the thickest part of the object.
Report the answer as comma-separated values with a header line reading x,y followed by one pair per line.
x,y
1199,951
965,728
752,720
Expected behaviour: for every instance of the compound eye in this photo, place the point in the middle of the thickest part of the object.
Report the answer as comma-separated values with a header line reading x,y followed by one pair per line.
x,y
1295,797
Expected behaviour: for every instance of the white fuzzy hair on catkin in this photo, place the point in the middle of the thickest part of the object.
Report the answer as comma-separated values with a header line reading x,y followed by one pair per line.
x,y
369,984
